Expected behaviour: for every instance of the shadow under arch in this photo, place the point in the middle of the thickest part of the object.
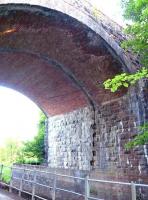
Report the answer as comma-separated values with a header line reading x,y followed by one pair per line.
x,y
53,63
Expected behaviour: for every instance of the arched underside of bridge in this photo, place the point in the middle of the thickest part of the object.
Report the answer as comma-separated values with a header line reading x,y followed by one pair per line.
x,y
54,59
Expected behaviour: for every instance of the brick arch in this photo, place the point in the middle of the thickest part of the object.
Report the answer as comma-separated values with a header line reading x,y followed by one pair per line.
x,y
83,11
57,61
38,81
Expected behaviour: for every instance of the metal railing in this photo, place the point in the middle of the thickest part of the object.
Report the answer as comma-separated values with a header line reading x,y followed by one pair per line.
x,y
54,188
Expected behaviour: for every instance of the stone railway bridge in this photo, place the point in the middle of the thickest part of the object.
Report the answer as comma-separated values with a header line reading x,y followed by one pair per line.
x,y
58,53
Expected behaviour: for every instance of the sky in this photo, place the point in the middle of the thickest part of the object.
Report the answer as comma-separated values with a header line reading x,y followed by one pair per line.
x,y
19,115
112,8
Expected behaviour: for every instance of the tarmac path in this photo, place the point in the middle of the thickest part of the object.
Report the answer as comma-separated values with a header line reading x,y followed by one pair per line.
x,y
4,195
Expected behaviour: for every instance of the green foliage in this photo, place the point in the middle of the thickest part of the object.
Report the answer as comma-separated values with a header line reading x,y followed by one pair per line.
x,y
137,11
125,80
33,151
10,152
140,139
6,174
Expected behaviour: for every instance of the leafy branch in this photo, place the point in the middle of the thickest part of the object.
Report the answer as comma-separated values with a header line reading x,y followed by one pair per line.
x,y
125,80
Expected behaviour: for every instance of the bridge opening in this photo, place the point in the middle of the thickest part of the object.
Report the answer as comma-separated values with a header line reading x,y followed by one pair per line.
x,y
19,123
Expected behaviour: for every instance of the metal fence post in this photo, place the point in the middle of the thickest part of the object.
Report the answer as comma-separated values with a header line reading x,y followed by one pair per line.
x,y
54,187
21,183
1,172
133,190
87,189
34,185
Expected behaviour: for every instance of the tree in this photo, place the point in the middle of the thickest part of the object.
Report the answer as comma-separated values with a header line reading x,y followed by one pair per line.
x,y
35,149
10,152
15,151
137,11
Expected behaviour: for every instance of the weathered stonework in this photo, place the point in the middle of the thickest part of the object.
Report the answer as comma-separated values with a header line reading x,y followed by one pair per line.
x,y
96,142
70,139
117,122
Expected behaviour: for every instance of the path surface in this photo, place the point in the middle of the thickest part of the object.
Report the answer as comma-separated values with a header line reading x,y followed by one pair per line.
x,y
8,196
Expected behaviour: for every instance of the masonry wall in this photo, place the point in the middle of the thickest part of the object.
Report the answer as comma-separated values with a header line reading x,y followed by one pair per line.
x,y
94,140
115,125
70,139
117,122
91,141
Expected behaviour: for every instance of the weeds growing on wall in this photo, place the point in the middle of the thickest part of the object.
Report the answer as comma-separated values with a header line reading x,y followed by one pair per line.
x,y
140,139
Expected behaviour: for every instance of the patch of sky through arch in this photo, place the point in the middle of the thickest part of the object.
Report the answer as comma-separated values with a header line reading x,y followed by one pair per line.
x,y
19,116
